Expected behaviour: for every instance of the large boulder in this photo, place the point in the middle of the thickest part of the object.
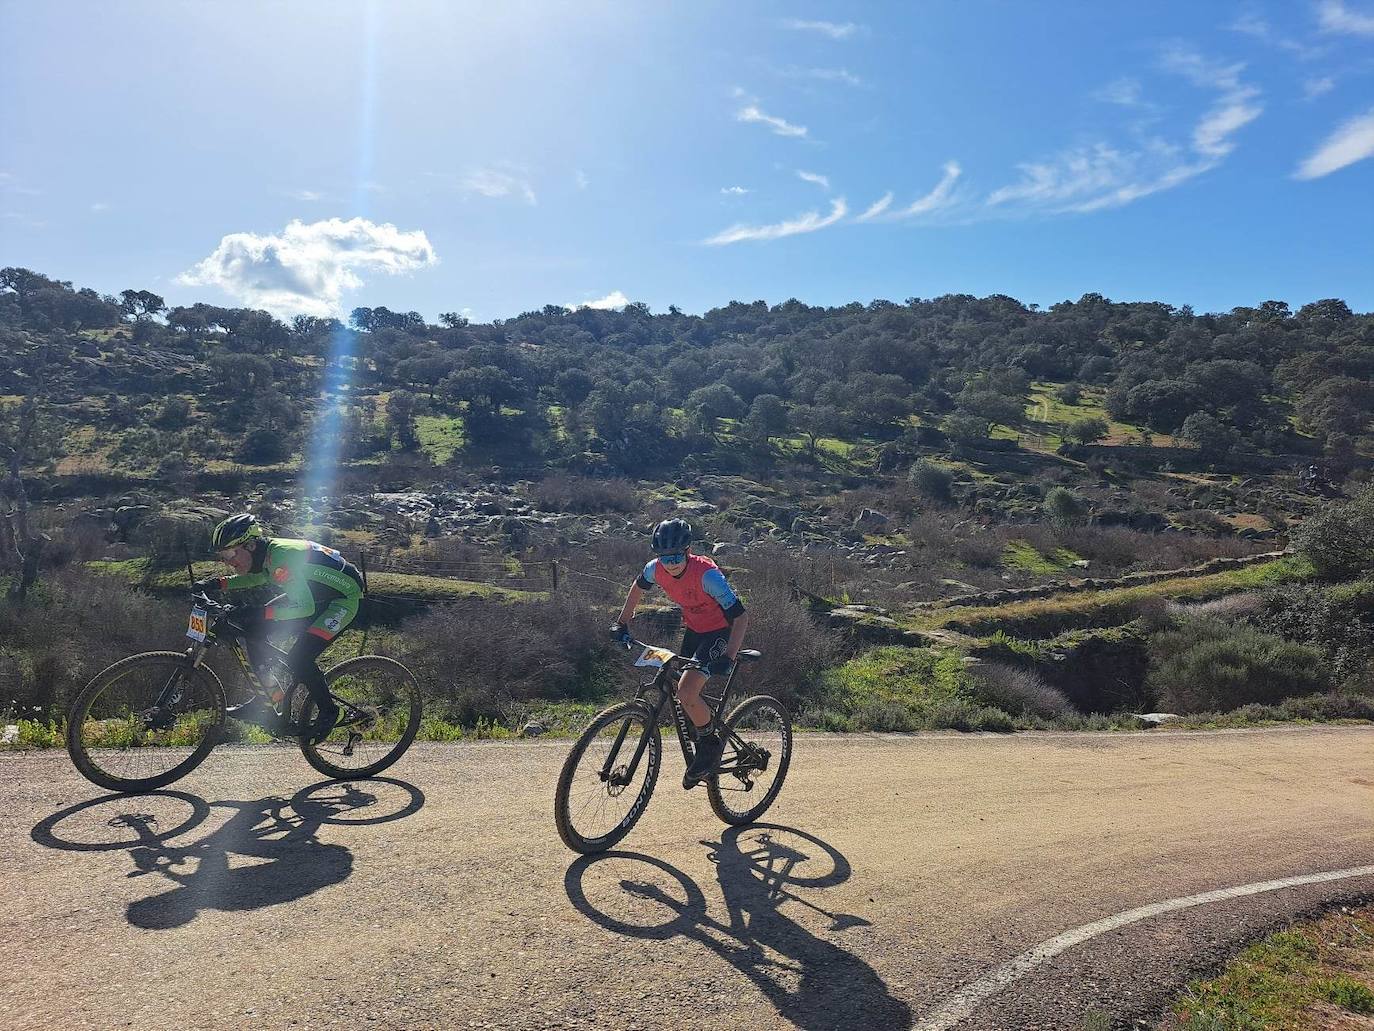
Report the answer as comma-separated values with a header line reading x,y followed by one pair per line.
x,y
871,521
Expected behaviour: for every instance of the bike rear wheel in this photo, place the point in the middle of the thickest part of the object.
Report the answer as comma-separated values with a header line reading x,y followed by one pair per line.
x,y
593,808
758,751
120,739
380,710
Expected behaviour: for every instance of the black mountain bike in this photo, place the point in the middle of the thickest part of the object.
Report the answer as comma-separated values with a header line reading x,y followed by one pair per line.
x,y
152,718
609,776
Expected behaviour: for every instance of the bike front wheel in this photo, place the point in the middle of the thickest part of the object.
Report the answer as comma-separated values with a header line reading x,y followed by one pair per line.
x,y
602,789
379,716
758,751
145,722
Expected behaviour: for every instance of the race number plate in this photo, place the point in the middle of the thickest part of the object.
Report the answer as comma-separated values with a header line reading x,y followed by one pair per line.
x,y
654,657
196,630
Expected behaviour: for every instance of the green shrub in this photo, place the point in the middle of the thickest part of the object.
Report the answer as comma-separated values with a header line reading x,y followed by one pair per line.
x,y
1064,507
1339,540
1207,664
1337,619
931,480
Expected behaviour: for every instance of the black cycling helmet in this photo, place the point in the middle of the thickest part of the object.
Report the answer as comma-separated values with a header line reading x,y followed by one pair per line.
x,y
236,530
671,535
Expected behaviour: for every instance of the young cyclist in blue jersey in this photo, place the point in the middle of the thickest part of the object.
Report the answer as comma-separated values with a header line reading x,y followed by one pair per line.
x,y
714,620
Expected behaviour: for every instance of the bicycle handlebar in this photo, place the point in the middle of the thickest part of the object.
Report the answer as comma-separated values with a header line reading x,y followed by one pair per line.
x,y
684,660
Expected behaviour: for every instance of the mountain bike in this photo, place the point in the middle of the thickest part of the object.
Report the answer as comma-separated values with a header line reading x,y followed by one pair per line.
x,y
152,718
610,774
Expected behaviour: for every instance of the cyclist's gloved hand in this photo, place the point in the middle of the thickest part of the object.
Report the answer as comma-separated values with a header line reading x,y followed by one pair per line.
x,y
620,634
720,666
206,586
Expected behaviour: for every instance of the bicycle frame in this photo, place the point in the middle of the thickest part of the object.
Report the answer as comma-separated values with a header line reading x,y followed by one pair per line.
x,y
654,694
215,613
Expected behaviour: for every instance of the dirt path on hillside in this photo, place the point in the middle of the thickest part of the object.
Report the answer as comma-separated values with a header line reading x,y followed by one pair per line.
x,y
895,873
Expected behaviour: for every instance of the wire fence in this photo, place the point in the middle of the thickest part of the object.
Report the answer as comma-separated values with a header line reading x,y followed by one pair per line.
x,y
545,576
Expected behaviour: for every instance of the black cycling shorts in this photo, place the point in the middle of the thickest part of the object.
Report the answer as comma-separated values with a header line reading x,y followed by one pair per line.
x,y
707,646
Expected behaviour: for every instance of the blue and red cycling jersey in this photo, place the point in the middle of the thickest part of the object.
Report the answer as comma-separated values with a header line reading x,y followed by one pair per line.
x,y
707,601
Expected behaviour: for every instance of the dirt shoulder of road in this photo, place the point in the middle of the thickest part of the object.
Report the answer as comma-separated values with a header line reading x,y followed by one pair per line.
x,y
1317,975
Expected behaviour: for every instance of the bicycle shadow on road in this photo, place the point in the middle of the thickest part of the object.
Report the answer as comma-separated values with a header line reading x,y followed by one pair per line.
x,y
811,981
279,836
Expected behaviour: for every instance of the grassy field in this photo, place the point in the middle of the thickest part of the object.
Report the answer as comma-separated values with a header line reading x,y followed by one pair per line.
x,y
440,436
1316,976
1041,617
139,572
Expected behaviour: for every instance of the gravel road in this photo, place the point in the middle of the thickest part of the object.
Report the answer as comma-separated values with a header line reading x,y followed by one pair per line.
x,y
894,875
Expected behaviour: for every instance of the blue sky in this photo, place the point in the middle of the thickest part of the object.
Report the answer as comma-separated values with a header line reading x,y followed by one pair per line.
x,y
492,158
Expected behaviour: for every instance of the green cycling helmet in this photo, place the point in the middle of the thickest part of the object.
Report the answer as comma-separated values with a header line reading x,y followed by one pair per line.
x,y
236,530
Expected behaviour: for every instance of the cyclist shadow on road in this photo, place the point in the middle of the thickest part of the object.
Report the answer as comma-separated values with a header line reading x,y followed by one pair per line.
x,y
811,981
279,837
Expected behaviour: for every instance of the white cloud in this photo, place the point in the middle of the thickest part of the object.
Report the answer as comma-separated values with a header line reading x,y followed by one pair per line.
x,y
1106,175
497,182
307,267
1334,16
613,301
937,198
835,30
877,207
9,183
1124,91
843,75
1351,142
1212,135
752,113
307,195
1314,88
734,191
1250,24
807,223
814,177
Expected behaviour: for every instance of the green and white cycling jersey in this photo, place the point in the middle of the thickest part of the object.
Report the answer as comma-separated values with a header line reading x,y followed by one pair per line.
x,y
315,581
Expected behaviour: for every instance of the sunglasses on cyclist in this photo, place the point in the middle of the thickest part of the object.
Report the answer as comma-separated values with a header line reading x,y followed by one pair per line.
x,y
673,558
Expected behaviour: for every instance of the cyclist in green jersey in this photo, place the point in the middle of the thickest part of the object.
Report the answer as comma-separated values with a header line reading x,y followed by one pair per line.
x,y
320,596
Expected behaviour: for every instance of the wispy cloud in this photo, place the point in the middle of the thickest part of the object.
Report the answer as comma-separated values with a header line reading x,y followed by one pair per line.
x,y
843,75
1314,88
613,301
305,269
1106,175
1125,92
99,206
1335,16
814,177
580,179
10,183
835,30
807,223
877,207
1351,142
782,127
734,191
497,182
1252,25
307,195
937,198
940,197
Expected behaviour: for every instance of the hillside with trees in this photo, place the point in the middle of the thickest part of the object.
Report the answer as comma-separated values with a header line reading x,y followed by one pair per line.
x,y
882,458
